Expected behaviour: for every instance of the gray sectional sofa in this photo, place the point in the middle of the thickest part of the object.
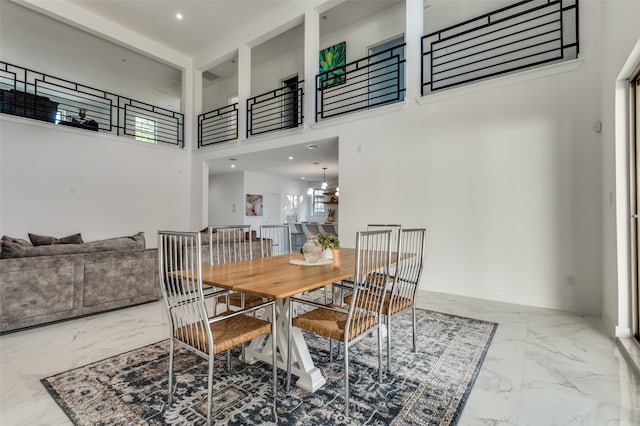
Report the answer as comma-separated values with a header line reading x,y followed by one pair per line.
x,y
67,278
45,283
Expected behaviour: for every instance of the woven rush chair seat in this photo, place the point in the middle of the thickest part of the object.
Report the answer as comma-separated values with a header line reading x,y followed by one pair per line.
x,y
399,304
332,324
226,333
235,299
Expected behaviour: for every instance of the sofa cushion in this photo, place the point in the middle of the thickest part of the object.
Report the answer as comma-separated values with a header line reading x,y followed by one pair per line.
x,y
43,240
12,250
132,242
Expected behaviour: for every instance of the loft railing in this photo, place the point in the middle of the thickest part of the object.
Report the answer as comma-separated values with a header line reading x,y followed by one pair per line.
x,y
520,36
367,83
217,126
278,109
39,96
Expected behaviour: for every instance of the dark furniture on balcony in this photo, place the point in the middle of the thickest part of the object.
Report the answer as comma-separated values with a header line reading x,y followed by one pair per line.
x,y
28,105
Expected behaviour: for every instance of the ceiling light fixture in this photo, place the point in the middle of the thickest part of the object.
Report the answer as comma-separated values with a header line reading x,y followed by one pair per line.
x,y
179,16
324,180
290,158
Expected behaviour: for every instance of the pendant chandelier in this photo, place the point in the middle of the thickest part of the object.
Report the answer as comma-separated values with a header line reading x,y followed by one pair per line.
x,y
324,179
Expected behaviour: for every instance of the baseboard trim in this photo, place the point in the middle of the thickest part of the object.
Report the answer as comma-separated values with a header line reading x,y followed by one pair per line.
x,y
630,349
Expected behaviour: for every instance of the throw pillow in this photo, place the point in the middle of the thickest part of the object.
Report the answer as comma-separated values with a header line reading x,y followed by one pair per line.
x,y
43,240
20,241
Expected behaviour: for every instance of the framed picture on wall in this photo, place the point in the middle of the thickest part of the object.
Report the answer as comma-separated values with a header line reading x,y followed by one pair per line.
x,y
253,205
332,65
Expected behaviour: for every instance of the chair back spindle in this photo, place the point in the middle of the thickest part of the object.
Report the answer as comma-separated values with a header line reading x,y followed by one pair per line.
x,y
181,278
373,252
275,240
229,244
395,239
409,266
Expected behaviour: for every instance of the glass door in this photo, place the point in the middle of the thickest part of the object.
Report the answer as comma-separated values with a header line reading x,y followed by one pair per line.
x,y
634,155
385,86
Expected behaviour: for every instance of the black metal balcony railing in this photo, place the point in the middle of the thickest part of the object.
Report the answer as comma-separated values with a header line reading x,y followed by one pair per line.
x,y
523,35
367,83
32,94
219,125
275,110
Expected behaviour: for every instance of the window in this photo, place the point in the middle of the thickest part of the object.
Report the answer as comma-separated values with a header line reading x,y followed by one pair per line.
x,y
318,205
61,115
145,130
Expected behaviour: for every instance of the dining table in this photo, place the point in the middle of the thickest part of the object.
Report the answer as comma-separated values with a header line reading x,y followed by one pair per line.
x,y
278,278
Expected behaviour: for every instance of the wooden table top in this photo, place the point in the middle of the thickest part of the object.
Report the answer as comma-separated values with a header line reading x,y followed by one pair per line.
x,y
275,278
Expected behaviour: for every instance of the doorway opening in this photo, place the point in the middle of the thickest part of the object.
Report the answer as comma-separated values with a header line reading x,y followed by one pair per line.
x,y
289,102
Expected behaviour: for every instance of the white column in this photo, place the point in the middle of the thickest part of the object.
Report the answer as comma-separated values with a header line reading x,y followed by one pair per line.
x,y
413,50
190,119
311,49
244,89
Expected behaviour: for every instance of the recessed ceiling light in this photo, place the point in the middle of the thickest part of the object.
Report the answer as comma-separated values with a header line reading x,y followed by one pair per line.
x,y
312,146
233,165
290,158
302,177
179,16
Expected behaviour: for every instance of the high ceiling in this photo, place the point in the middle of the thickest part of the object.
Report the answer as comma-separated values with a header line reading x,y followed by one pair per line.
x,y
206,21
276,162
203,21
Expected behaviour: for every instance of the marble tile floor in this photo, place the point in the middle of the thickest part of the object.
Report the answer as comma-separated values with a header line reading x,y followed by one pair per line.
x,y
544,367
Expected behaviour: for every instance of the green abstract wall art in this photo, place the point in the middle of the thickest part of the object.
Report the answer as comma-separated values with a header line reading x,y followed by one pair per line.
x,y
332,65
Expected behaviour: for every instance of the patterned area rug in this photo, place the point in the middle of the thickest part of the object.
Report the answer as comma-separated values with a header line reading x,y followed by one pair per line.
x,y
429,387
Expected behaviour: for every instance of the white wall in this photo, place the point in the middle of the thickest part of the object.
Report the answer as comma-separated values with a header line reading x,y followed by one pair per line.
x,y
505,175
509,177
217,94
360,35
260,183
440,14
621,33
267,76
226,199
58,181
231,188
508,189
